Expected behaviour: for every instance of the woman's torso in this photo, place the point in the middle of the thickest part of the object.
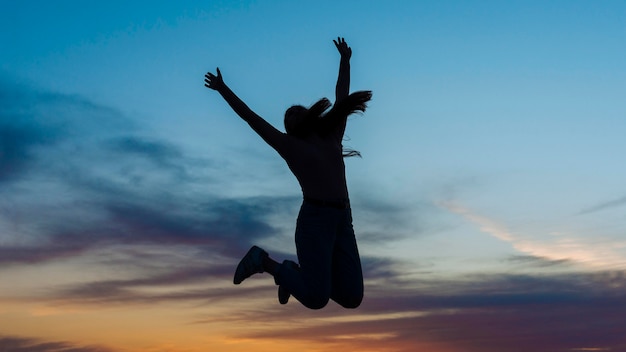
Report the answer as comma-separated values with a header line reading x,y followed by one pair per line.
x,y
318,165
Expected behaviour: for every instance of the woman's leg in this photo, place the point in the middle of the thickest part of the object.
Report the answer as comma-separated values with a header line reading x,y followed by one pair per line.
x,y
315,236
347,275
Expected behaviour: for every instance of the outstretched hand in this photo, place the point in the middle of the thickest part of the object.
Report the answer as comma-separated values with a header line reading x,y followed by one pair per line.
x,y
214,82
343,48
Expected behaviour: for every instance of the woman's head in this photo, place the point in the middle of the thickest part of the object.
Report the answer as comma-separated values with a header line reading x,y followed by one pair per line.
x,y
301,121
295,120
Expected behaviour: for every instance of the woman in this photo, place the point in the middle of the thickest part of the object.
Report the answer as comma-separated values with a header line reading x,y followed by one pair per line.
x,y
329,264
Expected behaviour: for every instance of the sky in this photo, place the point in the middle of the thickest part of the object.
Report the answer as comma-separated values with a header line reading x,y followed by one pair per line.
x,y
488,205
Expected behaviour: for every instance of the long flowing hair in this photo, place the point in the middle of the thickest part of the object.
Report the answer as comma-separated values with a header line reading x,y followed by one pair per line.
x,y
315,119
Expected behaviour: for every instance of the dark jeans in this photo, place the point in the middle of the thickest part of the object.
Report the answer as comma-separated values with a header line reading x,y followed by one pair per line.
x,y
330,267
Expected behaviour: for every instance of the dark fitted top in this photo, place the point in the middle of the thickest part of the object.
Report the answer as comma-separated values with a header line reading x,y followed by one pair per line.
x,y
316,161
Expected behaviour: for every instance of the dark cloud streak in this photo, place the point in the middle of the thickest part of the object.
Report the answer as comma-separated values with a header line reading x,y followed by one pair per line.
x,y
33,120
114,187
604,206
540,262
24,344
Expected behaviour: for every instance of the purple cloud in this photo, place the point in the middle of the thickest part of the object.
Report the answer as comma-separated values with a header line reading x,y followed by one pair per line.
x,y
22,344
490,313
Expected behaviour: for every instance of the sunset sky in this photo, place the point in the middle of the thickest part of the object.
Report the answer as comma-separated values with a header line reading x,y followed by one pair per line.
x,y
489,203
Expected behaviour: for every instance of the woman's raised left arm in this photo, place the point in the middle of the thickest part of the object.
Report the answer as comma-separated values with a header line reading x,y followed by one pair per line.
x,y
343,80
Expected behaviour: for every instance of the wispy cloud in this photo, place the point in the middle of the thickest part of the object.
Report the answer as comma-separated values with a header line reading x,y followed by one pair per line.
x,y
597,254
618,202
538,262
25,344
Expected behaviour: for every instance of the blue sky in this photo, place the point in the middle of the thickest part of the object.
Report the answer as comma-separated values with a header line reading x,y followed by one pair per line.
x,y
492,173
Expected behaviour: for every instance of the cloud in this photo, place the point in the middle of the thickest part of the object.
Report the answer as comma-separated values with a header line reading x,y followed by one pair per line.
x,y
475,313
219,226
16,145
22,344
603,206
596,254
136,205
106,182
19,139
31,121
537,262
381,222
162,155
174,286
37,254
200,277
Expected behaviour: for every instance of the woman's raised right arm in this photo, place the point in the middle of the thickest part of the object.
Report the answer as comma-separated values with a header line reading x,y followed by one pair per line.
x,y
269,133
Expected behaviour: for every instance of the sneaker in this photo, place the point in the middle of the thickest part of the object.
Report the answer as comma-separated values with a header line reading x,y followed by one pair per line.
x,y
283,294
250,264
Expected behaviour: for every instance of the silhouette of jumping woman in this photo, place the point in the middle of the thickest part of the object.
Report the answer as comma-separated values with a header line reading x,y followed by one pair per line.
x,y
329,264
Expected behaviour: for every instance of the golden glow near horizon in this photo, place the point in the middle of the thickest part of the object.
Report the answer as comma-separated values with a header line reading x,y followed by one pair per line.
x,y
167,327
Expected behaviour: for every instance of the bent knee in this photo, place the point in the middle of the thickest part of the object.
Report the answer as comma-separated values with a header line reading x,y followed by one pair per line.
x,y
351,302
318,302
317,297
